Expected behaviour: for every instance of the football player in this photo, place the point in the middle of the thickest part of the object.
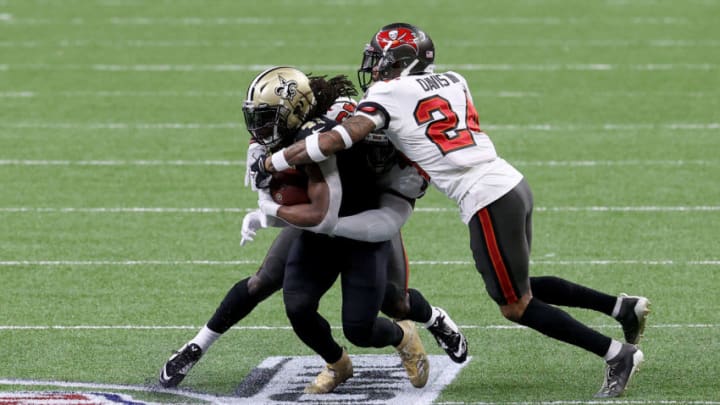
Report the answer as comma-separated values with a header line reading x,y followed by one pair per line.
x,y
430,118
402,184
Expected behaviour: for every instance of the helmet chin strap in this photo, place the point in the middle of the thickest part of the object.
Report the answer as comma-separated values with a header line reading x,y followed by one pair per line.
x,y
275,138
407,70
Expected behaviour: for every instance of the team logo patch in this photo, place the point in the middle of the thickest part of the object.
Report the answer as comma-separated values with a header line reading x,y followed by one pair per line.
x,y
75,398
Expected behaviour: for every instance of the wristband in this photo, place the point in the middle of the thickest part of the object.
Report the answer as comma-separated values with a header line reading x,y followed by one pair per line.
x,y
313,148
278,161
271,208
344,135
268,206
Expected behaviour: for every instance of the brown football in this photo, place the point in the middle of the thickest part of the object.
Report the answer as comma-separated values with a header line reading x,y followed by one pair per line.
x,y
289,187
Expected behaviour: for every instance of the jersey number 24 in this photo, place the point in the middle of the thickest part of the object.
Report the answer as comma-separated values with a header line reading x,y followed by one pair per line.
x,y
443,131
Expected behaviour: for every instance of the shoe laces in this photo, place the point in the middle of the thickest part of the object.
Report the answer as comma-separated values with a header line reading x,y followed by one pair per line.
x,y
442,328
184,358
610,380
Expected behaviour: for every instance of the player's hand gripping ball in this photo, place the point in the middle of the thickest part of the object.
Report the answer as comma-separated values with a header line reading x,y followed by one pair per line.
x,y
289,187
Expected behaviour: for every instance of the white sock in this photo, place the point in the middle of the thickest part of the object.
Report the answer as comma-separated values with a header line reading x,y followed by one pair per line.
x,y
613,351
616,309
205,338
433,316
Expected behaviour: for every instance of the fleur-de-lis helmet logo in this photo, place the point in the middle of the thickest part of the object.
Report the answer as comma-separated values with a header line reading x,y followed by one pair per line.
x,y
287,88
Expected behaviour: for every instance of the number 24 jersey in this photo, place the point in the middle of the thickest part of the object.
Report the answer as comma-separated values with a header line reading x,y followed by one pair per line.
x,y
431,119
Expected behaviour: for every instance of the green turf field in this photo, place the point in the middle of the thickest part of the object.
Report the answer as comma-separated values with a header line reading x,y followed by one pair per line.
x,y
122,148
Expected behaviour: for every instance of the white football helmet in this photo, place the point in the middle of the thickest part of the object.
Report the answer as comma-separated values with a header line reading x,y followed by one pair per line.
x,y
278,101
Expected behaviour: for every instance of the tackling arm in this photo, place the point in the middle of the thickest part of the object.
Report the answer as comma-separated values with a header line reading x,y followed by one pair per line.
x,y
319,147
379,224
325,193
312,213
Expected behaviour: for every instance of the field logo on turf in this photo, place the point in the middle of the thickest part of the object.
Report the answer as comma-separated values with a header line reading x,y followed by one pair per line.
x,y
377,379
75,398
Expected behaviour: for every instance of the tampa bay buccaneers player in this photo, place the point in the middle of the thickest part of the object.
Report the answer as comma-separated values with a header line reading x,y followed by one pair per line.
x,y
401,185
430,118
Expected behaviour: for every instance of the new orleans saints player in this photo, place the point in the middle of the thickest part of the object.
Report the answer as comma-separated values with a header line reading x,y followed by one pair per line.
x,y
431,119
400,302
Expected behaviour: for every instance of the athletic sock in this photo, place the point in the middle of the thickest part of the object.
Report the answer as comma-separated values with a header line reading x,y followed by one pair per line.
x,y
205,338
557,291
236,305
420,309
433,318
616,308
613,351
558,324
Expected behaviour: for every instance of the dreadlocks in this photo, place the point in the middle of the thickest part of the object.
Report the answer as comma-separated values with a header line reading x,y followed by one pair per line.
x,y
326,91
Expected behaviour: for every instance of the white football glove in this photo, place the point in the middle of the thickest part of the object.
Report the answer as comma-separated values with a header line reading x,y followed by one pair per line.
x,y
267,205
255,150
252,221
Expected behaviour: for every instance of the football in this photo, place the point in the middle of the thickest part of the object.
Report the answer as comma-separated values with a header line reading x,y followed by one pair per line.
x,y
289,187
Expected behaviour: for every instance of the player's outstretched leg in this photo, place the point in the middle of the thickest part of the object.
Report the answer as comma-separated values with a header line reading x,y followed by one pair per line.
x,y
448,335
619,370
413,355
332,375
632,312
179,365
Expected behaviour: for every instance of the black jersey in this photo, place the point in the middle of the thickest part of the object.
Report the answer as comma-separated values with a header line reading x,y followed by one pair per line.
x,y
359,189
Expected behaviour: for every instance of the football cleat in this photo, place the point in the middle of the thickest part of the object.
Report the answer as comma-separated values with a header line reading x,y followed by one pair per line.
x,y
179,365
333,375
413,355
632,316
619,370
448,336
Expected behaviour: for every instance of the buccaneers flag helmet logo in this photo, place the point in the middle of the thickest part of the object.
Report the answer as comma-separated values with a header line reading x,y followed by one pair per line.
x,y
396,37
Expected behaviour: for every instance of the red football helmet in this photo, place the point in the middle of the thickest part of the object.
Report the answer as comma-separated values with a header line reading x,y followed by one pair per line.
x,y
398,49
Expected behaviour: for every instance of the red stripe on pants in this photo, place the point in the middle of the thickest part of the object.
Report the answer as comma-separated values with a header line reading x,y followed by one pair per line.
x,y
407,264
495,257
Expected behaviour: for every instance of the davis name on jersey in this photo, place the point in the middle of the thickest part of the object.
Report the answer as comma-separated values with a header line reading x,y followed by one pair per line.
x,y
431,119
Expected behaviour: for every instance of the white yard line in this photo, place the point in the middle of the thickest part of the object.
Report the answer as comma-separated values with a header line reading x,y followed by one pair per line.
x,y
127,263
12,19
543,127
279,42
522,67
216,210
119,387
115,162
540,163
235,94
289,328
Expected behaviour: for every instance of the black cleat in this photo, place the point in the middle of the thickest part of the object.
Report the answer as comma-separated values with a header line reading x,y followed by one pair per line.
x,y
619,370
179,365
449,338
632,316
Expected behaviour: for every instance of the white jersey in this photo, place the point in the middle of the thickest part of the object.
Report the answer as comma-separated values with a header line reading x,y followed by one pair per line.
x,y
430,118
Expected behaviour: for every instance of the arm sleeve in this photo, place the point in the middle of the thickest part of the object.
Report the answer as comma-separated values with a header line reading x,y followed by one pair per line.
x,y
275,222
332,178
376,225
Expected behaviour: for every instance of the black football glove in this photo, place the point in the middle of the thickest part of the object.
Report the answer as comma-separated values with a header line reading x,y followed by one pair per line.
x,y
261,175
